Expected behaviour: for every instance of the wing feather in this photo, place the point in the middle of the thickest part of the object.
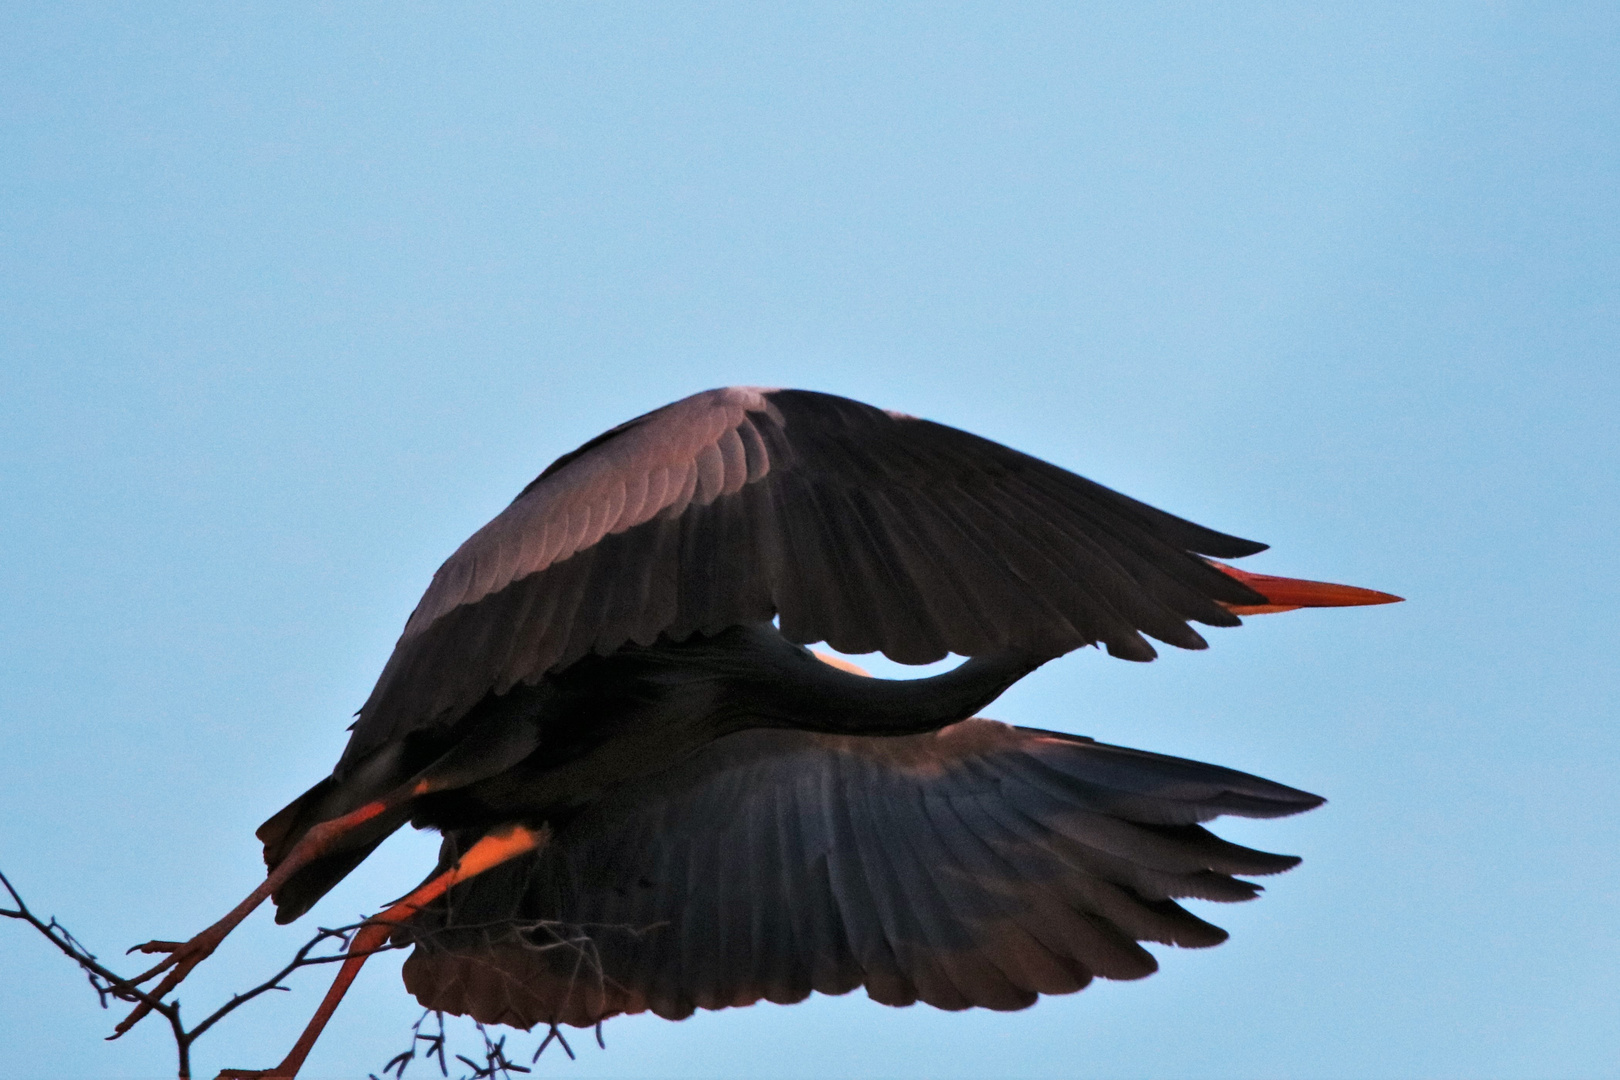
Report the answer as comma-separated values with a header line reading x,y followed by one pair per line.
x,y
982,865
1035,945
865,529
859,903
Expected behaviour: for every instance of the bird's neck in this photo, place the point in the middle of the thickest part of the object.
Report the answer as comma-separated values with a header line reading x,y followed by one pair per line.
x,y
786,686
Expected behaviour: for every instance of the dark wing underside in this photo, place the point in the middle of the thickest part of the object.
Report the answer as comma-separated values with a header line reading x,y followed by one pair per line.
x,y
981,865
869,530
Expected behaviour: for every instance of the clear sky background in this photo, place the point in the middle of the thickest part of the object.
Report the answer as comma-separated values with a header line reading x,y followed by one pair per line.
x,y
294,297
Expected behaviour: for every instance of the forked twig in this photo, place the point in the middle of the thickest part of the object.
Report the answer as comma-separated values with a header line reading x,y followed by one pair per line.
x,y
541,936
110,986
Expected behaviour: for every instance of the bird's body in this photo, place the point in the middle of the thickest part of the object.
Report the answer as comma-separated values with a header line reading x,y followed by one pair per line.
x,y
653,797
540,754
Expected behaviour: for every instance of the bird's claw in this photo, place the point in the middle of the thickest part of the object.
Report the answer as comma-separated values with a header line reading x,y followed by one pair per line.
x,y
182,957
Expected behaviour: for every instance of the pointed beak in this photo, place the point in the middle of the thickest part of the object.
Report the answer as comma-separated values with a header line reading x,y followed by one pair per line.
x,y
1286,594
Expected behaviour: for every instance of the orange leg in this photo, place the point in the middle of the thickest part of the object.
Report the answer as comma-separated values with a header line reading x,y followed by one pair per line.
x,y
183,956
492,850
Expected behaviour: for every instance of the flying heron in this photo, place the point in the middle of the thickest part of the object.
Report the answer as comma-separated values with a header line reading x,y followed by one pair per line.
x,y
654,797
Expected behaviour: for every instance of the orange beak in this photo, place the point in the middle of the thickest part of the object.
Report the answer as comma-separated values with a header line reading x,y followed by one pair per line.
x,y
1286,594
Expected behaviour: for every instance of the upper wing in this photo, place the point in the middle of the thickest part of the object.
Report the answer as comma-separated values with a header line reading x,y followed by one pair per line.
x,y
866,529
862,528
978,865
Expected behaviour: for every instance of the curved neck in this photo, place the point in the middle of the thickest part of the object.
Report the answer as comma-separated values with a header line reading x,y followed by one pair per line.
x,y
789,687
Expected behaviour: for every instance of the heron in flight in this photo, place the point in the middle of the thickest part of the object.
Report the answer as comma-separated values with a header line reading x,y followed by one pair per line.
x,y
652,796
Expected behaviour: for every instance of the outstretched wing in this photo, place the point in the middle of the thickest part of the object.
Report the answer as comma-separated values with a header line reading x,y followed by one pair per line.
x,y
981,865
866,529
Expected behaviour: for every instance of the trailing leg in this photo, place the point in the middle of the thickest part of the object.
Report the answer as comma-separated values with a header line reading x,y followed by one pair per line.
x,y
488,852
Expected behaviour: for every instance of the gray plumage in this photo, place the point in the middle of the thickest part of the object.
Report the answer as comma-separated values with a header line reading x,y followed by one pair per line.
x,y
869,530
617,658
978,865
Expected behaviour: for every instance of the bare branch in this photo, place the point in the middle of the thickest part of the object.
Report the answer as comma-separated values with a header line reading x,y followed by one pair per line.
x,y
110,986
431,1046
106,983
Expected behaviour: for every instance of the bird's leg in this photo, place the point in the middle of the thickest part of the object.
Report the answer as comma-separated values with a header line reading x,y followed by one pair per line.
x,y
488,852
183,956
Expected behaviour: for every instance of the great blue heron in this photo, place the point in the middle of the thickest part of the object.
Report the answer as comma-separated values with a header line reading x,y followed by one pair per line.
x,y
653,797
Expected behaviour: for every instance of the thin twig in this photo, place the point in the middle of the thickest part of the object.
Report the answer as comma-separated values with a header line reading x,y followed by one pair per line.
x,y
106,983
540,936
109,985
301,959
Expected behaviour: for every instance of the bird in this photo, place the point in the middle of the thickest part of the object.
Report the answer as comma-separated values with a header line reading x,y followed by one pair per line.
x,y
653,796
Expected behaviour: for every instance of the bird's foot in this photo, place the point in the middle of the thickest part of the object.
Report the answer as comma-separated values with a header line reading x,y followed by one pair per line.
x,y
253,1074
182,957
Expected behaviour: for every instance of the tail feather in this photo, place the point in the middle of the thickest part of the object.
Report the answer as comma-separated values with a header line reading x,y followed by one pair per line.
x,y
328,799
307,886
288,825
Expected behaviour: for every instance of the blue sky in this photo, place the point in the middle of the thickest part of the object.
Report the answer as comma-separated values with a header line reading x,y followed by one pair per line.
x,y
294,297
